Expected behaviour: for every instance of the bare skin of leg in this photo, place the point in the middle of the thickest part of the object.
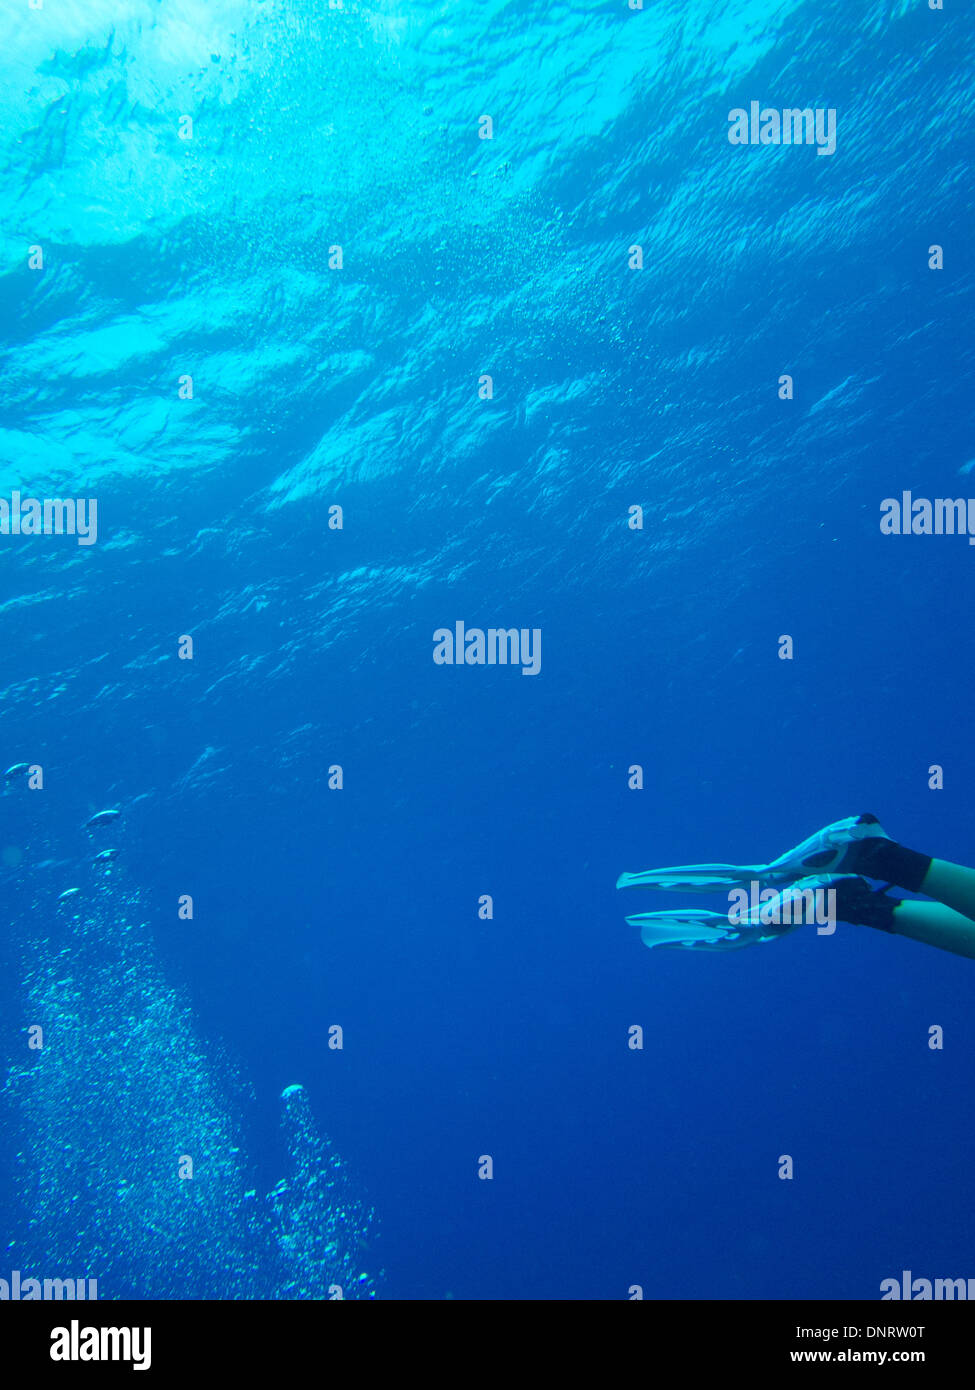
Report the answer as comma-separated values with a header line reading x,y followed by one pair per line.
x,y
951,884
936,925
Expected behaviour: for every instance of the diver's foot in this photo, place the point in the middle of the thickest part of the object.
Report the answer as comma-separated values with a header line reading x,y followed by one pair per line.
x,y
861,905
860,846
832,850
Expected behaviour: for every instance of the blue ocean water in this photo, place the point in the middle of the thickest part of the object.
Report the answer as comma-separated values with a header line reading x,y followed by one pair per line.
x,y
209,252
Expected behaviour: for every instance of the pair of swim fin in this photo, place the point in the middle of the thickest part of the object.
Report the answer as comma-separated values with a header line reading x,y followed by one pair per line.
x,y
818,863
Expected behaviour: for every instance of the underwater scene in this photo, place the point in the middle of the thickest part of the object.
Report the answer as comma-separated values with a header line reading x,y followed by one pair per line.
x,y
487,508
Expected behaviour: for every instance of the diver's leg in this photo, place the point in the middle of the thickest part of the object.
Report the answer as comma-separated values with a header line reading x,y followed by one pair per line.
x,y
951,884
935,925
932,923
887,861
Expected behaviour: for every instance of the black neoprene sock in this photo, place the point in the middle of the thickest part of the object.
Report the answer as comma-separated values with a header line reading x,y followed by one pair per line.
x,y
887,861
862,906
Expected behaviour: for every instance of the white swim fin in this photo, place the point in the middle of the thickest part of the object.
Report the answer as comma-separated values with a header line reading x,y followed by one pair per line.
x,y
694,929
823,852
694,878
